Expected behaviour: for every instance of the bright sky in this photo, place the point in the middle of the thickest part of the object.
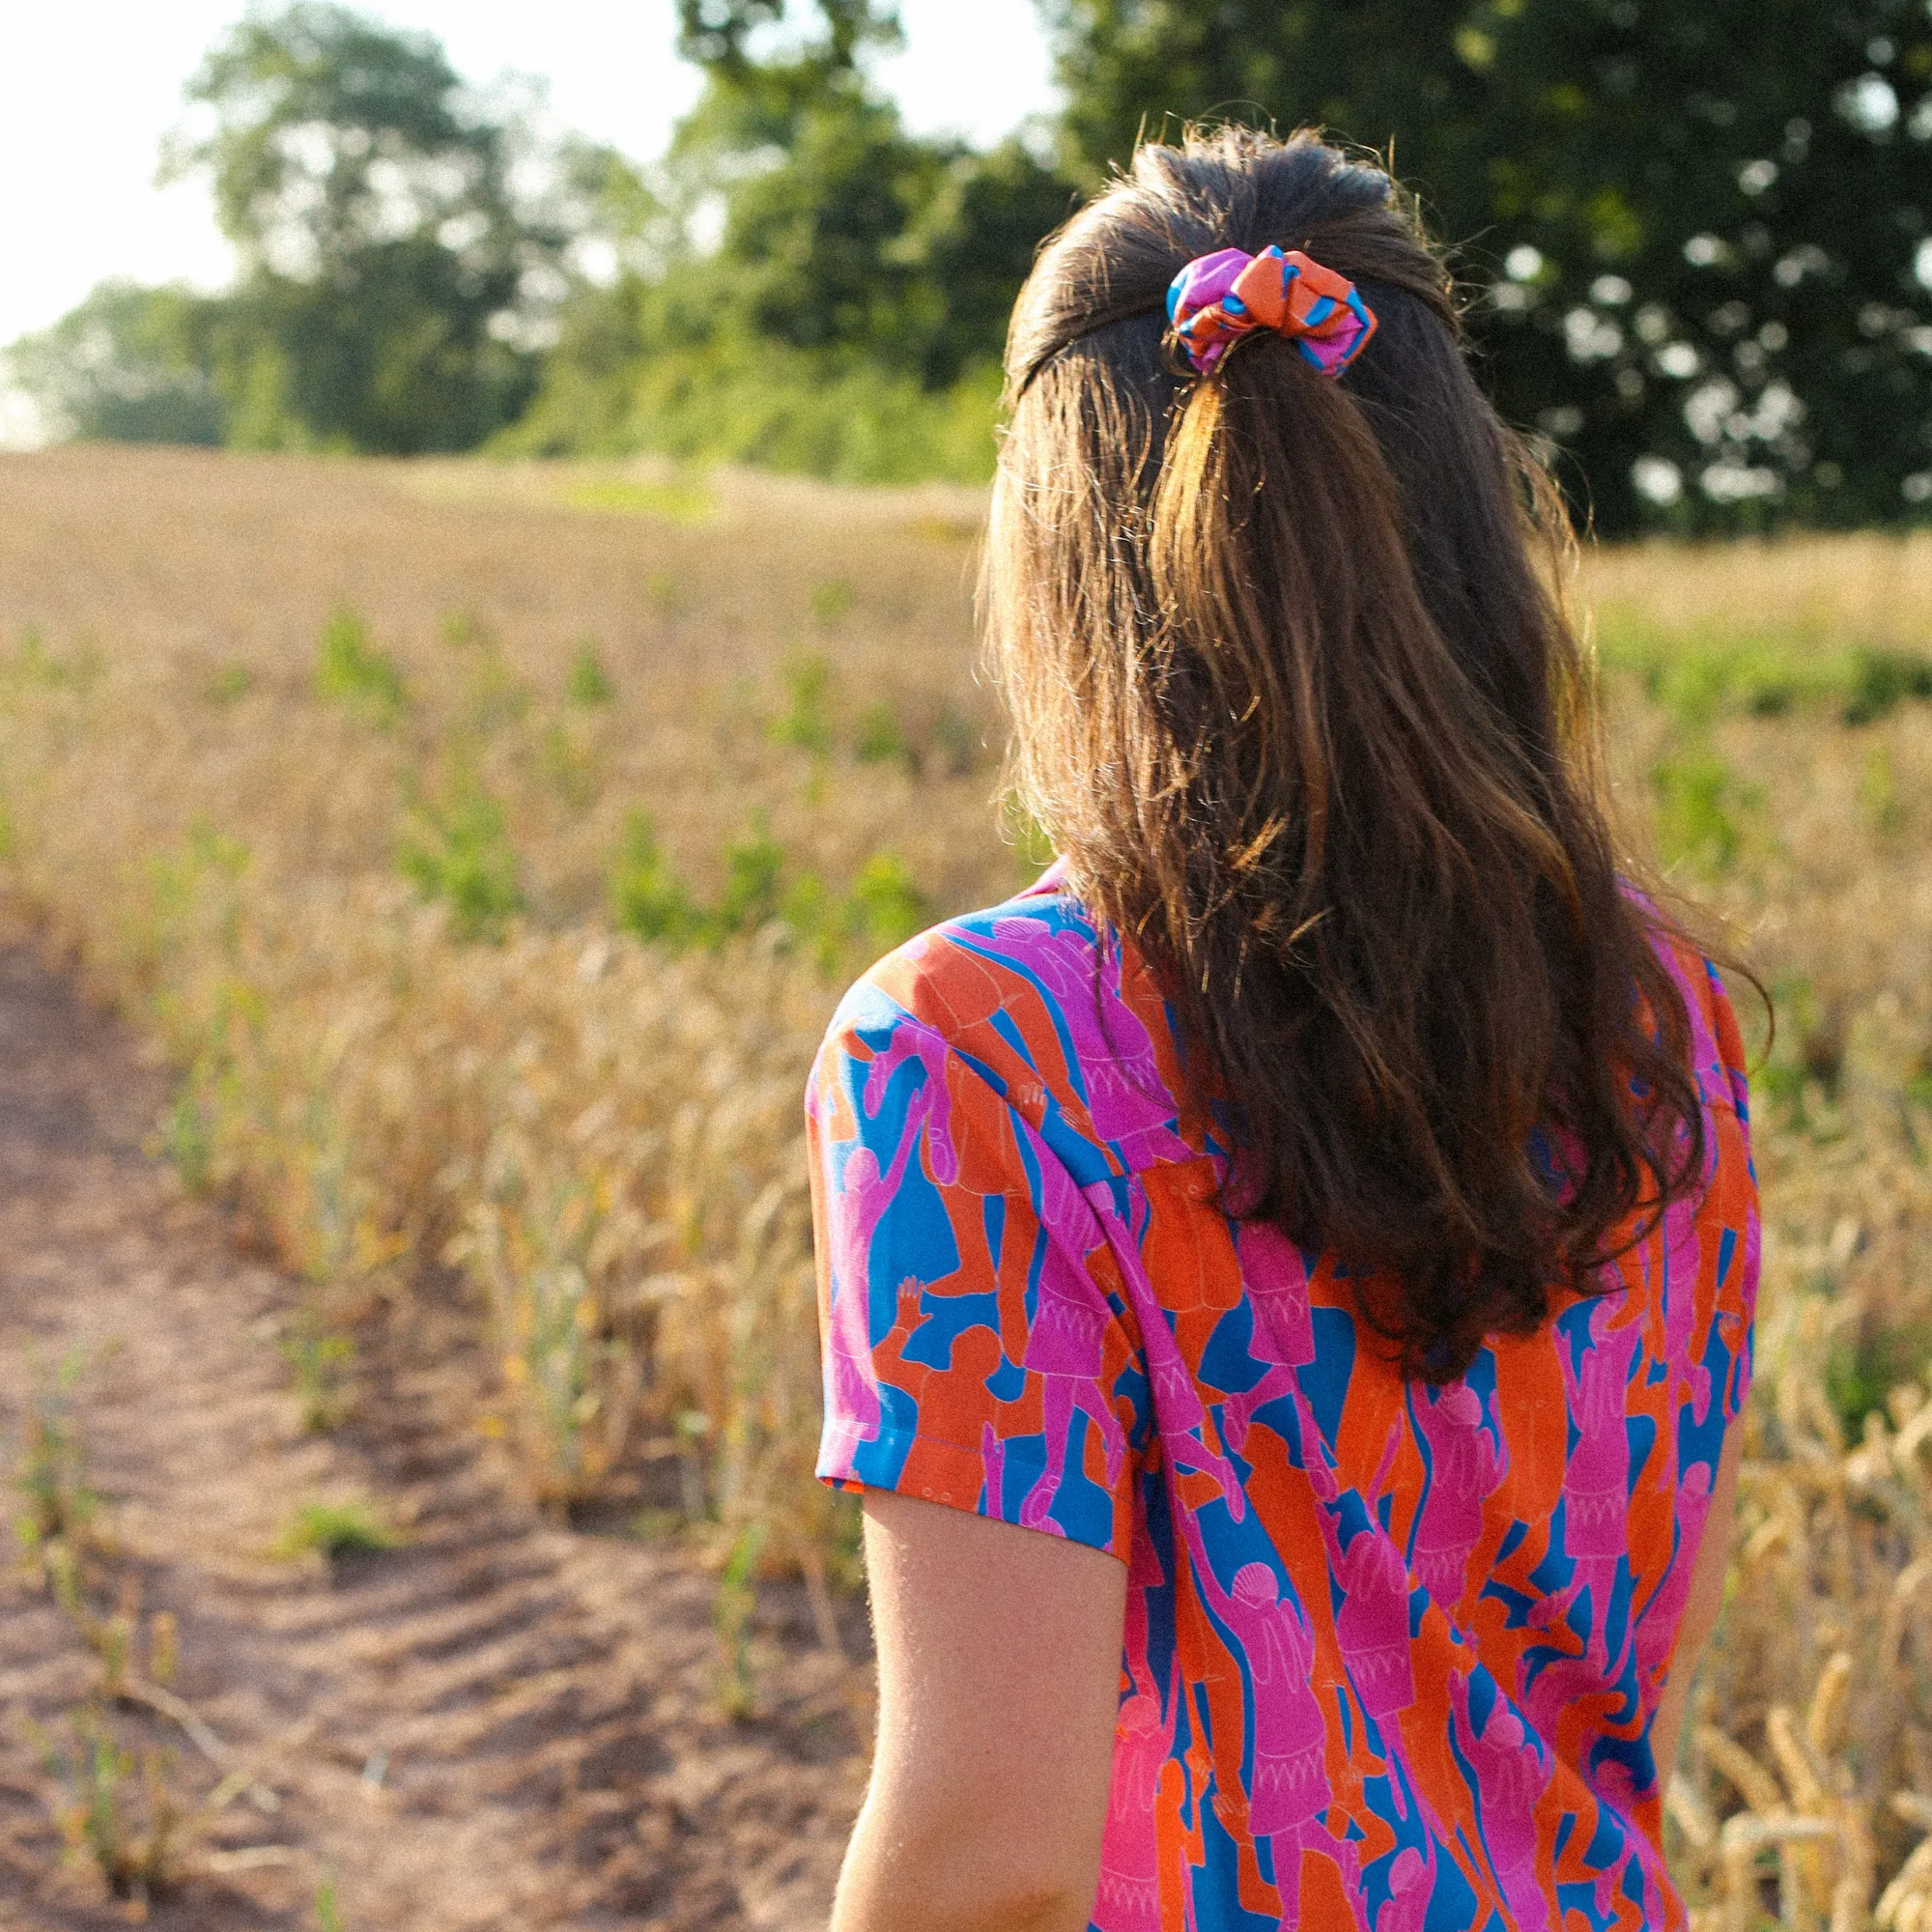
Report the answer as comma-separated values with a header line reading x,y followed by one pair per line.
x,y
87,91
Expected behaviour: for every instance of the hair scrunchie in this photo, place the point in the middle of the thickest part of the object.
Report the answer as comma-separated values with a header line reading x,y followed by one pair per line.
x,y
1219,298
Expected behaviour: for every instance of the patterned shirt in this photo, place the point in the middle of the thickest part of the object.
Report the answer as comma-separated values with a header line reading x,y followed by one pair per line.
x,y
1392,1651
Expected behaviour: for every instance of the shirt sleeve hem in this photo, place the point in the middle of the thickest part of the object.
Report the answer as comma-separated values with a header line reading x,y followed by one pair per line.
x,y
931,1471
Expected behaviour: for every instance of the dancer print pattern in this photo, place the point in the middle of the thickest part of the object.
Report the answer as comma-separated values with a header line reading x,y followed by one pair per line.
x,y
1392,1652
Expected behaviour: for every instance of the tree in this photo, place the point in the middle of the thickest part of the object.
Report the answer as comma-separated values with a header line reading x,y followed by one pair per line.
x,y
1701,227
390,277
847,312
129,364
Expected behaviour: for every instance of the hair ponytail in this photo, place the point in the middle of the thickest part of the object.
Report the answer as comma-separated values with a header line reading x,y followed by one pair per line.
x,y
1292,703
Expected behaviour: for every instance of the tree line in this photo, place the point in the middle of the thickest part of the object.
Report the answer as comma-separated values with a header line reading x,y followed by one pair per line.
x,y
1696,238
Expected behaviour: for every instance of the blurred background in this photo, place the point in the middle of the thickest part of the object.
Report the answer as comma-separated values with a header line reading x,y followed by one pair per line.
x,y
1696,234
487,654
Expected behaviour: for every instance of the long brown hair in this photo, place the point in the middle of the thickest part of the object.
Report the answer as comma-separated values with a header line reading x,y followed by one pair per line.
x,y
1295,704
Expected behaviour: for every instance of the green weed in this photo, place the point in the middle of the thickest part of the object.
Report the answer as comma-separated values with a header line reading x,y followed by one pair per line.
x,y
1882,680
132,1844
461,628
647,900
732,1612
1879,804
569,766
806,721
886,908
34,664
230,685
686,504
57,1505
351,1527
879,739
323,1365
833,600
588,683
456,849
327,1912
350,671
753,869
1699,803
497,696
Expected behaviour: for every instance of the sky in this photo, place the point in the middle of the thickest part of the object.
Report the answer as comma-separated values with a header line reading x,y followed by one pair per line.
x,y
87,92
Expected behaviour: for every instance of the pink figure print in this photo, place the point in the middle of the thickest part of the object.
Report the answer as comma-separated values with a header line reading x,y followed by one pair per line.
x,y
1508,1777
1129,1894
1066,1346
1128,1100
852,1392
1464,1471
1412,1882
1179,1412
1658,1621
1596,1480
1288,1793
1372,1625
1680,1266
912,1040
1284,1329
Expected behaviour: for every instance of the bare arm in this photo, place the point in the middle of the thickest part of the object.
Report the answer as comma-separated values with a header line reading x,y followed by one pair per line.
x,y
1702,1610
998,1686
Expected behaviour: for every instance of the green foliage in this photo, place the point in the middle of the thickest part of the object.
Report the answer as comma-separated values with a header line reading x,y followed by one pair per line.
x,y
456,849
495,696
1862,1371
57,1504
588,683
761,892
328,1911
831,600
352,1527
686,503
45,669
1699,800
878,740
1882,680
1880,805
646,899
230,685
1701,266
806,721
1706,671
387,256
818,413
323,1364
754,872
129,364
735,1605
132,1845
351,670
569,765
1808,1055
849,322
886,907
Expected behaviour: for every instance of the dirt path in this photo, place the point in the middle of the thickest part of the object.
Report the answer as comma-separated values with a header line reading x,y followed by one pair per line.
x,y
499,1724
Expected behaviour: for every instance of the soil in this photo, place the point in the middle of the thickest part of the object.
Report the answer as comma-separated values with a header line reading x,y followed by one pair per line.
x,y
501,1723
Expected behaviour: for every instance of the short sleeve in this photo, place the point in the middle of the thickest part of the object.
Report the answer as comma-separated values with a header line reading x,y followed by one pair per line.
x,y
977,1349
1730,1208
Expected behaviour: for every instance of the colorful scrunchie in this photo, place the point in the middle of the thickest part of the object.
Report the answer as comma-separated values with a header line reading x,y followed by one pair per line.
x,y
1219,298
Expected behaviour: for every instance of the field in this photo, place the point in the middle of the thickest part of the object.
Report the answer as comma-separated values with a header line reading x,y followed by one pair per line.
x,y
482,849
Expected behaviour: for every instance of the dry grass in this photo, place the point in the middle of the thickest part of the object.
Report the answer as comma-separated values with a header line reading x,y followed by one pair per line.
x,y
602,1135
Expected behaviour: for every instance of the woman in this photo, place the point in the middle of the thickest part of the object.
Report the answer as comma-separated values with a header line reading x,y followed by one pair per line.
x,y
1290,1274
